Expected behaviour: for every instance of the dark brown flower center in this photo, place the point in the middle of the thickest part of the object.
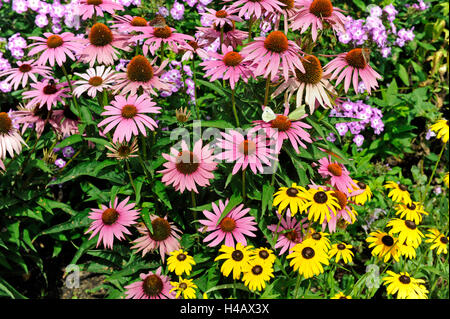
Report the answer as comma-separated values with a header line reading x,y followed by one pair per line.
x,y
263,254
94,2
50,89
403,187
193,44
355,58
95,81
138,22
316,236
109,216
181,257
100,35
247,147
227,225
129,111
232,58
164,32
139,69
153,285
187,163
54,41
257,270
411,206
182,286
161,229
292,235
292,192
387,240
281,122
5,123
288,4
410,224
124,150
24,68
335,169
226,27
404,279
313,70
341,197
276,41
444,240
221,14
237,255
41,112
341,246
361,185
320,197
308,253
321,8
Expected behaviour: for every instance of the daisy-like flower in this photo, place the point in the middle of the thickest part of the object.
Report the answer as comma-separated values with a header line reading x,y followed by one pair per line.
x,y
341,251
345,212
283,128
339,176
95,80
124,150
110,222
227,66
101,45
35,116
413,211
155,37
256,274
164,236
317,13
193,48
311,84
290,232
384,245
399,192
442,130
10,139
437,240
231,36
129,24
236,258
54,47
351,65
180,262
234,226
151,286
221,17
270,53
289,197
319,204
308,259
184,287
185,169
256,8
407,250
341,295
89,8
407,231
252,151
263,255
25,71
318,239
405,286
46,93
360,198
128,114
141,73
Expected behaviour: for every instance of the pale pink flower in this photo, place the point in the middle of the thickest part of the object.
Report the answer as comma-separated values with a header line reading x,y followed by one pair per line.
x,y
231,36
95,80
54,47
128,24
290,231
338,175
89,8
26,70
221,17
34,116
191,49
10,139
151,286
256,8
46,93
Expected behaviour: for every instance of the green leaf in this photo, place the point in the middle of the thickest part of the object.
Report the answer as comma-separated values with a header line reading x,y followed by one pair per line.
x,y
91,168
234,200
160,190
77,221
76,138
147,220
403,74
267,196
7,290
239,286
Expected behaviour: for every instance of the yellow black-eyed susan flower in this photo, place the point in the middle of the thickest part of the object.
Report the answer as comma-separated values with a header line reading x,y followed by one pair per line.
x,y
407,231
236,259
362,197
319,203
385,246
263,254
405,286
407,250
318,239
437,240
256,274
343,251
398,192
413,211
441,128
180,262
185,287
289,196
341,295
446,179
307,259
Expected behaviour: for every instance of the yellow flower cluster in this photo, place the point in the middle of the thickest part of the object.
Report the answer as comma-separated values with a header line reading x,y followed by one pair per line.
x,y
180,262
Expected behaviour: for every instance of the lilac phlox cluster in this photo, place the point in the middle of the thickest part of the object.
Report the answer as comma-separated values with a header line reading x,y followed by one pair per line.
x,y
177,11
174,77
404,36
420,6
16,45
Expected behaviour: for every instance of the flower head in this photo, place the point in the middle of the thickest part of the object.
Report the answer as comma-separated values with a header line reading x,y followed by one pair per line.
x,y
442,130
10,139
236,258
184,287
405,286
437,240
26,70
289,197
95,80
89,8
256,274
54,47
180,262
151,286
343,251
384,245
308,259
398,192
46,93
291,231
338,175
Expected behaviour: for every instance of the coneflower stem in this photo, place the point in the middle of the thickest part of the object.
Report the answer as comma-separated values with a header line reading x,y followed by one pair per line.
x,y
266,94
71,90
197,107
233,103
129,175
221,39
250,24
194,204
432,175
244,195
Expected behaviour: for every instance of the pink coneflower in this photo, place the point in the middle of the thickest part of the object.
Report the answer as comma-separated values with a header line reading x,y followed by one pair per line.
x,y
312,84
46,93
66,122
164,236
10,139
290,232
350,65
26,70
110,222
270,53
193,48
345,212
101,45
88,8
128,24
95,80
151,286
124,150
34,116
141,73
186,169
315,13
256,8
251,151
228,66
55,47
221,17
127,113
288,10
339,176
231,36
282,128
232,227
157,36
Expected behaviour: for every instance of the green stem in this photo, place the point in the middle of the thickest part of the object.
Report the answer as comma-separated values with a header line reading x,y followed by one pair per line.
x,y
129,175
297,285
233,103
194,203
244,195
71,90
266,94
221,39
197,107
250,25
432,174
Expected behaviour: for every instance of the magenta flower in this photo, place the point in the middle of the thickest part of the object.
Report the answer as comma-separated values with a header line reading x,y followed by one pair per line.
x,y
338,174
110,222
290,232
151,286
54,47
256,8
46,93
192,48
344,212
128,24
228,66
128,114
88,8
252,151
232,227
231,36
350,65
186,169
34,116
26,70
